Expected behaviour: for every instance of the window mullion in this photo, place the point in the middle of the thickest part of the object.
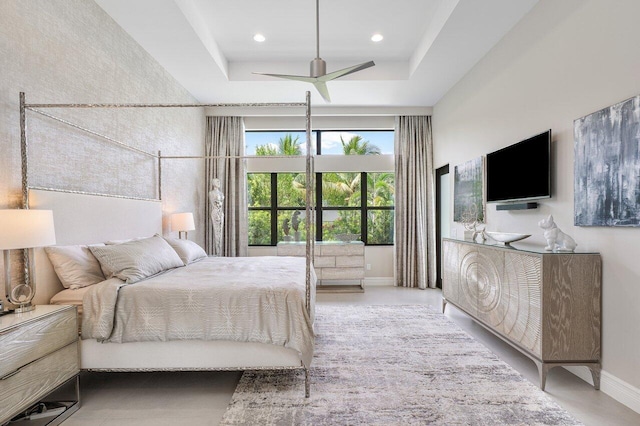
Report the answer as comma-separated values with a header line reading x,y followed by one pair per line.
x,y
274,209
363,206
318,206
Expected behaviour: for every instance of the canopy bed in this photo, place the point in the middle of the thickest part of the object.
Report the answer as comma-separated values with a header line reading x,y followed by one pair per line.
x,y
87,220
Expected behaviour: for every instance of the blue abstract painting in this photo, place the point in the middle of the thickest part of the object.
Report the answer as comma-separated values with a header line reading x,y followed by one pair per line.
x,y
607,166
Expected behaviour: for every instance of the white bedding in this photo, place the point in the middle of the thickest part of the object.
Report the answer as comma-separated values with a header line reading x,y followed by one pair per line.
x,y
70,297
257,299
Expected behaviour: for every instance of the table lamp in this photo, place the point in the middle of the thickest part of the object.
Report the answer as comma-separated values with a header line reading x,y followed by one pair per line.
x,y
182,222
24,229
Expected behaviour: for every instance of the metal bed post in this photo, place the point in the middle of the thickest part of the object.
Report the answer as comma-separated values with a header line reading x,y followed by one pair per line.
x,y
308,201
23,152
308,225
159,175
24,158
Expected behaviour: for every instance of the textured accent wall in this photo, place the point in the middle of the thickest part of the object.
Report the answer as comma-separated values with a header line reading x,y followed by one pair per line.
x,y
72,51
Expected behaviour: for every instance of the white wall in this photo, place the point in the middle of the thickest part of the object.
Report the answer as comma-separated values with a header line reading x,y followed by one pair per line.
x,y
72,51
564,60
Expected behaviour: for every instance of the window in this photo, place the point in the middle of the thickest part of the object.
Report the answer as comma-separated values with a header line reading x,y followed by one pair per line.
x,y
358,202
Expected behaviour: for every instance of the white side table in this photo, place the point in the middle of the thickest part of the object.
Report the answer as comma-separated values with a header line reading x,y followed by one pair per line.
x,y
39,352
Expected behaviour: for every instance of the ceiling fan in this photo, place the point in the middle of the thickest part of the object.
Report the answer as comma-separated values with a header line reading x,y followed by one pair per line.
x,y
318,73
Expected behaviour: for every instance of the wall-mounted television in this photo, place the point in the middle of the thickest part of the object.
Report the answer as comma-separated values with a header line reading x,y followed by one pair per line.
x,y
521,171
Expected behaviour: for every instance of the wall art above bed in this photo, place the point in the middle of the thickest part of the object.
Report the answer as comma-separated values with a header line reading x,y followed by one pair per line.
x,y
606,164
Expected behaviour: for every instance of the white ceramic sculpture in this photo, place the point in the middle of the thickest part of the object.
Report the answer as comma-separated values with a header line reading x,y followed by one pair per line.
x,y
556,239
216,197
295,222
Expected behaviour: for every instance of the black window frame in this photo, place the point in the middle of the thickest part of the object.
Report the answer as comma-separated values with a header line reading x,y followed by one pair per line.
x,y
363,209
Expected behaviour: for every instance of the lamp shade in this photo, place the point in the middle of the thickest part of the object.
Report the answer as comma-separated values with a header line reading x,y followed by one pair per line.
x,y
182,222
21,228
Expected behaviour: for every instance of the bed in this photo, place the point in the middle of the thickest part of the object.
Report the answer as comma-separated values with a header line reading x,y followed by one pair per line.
x,y
250,323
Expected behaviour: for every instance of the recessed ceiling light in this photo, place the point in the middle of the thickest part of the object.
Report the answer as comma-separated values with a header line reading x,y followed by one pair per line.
x,y
259,38
376,37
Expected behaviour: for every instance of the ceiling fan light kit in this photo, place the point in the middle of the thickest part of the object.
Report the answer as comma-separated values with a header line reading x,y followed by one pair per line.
x,y
318,67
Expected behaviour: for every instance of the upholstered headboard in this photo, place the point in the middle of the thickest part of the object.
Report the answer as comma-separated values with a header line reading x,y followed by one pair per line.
x,y
89,219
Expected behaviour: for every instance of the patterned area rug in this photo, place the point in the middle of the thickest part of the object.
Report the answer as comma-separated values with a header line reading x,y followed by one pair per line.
x,y
393,365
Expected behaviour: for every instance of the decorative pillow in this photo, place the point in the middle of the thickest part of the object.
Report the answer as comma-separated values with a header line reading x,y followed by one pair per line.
x,y
136,260
188,251
76,266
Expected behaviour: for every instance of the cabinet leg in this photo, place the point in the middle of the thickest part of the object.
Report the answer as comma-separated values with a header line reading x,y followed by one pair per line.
x,y
444,304
595,375
543,369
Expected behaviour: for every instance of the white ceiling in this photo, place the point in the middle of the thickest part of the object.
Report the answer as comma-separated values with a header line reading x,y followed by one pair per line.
x,y
208,47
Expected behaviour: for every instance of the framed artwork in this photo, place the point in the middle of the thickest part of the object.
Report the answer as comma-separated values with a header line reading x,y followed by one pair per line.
x,y
607,165
468,184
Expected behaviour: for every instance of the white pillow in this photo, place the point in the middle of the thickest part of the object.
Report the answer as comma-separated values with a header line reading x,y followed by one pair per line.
x,y
136,260
76,266
188,251
70,297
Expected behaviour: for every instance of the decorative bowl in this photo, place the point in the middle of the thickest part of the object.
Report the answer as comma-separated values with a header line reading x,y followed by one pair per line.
x,y
506,237
346,238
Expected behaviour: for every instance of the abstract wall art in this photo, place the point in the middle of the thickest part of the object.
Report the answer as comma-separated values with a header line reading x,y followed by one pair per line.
x,y
468,186
607,166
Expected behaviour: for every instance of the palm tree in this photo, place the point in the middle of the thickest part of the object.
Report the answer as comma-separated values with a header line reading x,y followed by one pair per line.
x,y
289,146
381,189
357,146
343,188
267,150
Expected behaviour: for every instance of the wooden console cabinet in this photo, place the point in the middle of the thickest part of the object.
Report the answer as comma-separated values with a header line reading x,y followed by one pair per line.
x,y
547,305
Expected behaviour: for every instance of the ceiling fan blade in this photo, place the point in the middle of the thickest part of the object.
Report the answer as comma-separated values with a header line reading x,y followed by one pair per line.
x,y
321,86
346,71
304,78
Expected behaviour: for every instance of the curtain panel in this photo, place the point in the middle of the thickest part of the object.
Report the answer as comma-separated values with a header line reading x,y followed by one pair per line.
x,y
415,262
224,138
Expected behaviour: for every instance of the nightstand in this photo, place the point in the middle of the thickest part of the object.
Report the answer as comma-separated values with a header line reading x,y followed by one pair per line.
x,y
39,352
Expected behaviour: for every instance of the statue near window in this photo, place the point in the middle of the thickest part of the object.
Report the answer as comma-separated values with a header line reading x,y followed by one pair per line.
x,y
216,198
295,222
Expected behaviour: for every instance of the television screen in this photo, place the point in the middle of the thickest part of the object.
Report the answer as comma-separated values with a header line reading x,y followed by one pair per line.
x,y
521,171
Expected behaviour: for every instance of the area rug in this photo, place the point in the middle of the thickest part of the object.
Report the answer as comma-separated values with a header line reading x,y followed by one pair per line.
x,y
393,365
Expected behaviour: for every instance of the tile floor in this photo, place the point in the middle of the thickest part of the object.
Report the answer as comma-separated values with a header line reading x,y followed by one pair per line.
x,y
201,398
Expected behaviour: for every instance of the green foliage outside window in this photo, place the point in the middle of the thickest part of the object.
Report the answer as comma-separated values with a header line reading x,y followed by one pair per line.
x,y
259,227
291,190
259,189
380,226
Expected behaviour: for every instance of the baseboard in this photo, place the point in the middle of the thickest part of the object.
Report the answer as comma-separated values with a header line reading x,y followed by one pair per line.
x,y
616,388
378,281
